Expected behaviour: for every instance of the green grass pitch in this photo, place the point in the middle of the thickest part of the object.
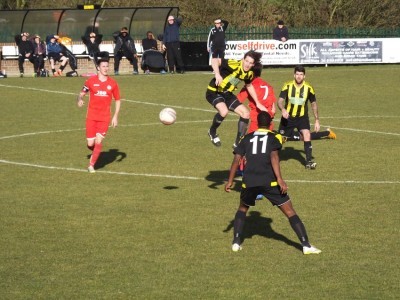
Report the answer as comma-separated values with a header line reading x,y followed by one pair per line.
x,y
155,223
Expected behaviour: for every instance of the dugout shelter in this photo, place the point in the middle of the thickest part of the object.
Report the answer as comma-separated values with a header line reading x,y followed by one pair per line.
x,y
76,22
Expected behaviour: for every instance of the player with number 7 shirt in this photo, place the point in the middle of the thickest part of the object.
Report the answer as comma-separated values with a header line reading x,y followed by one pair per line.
x,y
265,94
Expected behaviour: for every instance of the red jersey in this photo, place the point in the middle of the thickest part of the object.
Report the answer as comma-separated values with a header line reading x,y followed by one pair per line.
x,y
101,95
266,96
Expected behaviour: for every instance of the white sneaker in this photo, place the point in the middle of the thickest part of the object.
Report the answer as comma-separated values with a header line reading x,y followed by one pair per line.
x,y
236,247
91,169
311,250
214,139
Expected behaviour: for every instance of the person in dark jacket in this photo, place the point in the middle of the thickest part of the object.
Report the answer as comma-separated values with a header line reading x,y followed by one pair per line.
x,y
25,49
92,43
149,42
172,45
124,46
152,58
38,56
56,53
280,32
216,39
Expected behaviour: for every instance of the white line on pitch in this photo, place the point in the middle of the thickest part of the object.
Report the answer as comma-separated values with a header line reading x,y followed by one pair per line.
x,y
187,177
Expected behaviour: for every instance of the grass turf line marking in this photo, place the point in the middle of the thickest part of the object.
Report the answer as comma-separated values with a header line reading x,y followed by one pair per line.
x,y
186,177
180,107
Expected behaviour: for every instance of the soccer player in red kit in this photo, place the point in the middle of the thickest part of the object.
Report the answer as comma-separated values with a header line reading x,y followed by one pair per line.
x,y
266,96
102,90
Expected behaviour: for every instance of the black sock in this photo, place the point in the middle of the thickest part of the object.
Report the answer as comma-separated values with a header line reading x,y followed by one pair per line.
x,y
242,129
319,135
308,150
216,123
53,70
62,68
90,147
300,230
238,226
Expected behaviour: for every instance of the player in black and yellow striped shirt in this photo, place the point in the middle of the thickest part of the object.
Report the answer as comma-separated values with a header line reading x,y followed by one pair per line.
x,y
293,102
228,74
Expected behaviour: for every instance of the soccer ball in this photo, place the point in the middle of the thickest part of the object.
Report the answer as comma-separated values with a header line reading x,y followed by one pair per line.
x,y
168,116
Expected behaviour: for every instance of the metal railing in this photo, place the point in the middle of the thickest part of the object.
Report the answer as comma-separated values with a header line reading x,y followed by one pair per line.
x,y
197,34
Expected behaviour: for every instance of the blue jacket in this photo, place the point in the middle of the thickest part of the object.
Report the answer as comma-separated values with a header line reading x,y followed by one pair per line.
x,y
53,47
171,32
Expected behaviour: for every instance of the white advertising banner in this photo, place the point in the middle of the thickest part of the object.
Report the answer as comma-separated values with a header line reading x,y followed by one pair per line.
x,y
326,51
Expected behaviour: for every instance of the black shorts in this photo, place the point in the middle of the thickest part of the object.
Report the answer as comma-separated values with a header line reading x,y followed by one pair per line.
x,y
228,98
55,56
287,126
218,53
273,194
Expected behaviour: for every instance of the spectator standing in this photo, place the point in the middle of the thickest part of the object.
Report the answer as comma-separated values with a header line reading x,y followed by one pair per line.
x,y
39,54
55,53
280,32
172,44
216,39
25,49
124,46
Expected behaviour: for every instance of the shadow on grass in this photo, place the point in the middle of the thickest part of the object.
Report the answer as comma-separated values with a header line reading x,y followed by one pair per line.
x,y
255,224
290,153
109,157
219,178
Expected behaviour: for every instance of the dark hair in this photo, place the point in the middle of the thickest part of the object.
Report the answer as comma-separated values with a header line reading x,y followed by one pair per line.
x,y
102,59
264,119
254,55
280,22
257,69
300,69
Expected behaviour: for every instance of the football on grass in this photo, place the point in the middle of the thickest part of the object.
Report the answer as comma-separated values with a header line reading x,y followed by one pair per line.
x,y
168,116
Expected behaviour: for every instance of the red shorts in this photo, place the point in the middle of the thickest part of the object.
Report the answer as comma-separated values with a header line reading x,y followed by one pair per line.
x,y
94,128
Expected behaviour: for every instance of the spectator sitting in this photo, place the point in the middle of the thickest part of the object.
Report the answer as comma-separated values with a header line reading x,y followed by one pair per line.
x,y
56,54
25,49
280,32
149,42
152,58
124,46
92,42
39,54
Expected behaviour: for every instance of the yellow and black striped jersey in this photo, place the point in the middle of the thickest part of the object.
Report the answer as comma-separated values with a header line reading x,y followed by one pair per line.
x,y
296,98
232,72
